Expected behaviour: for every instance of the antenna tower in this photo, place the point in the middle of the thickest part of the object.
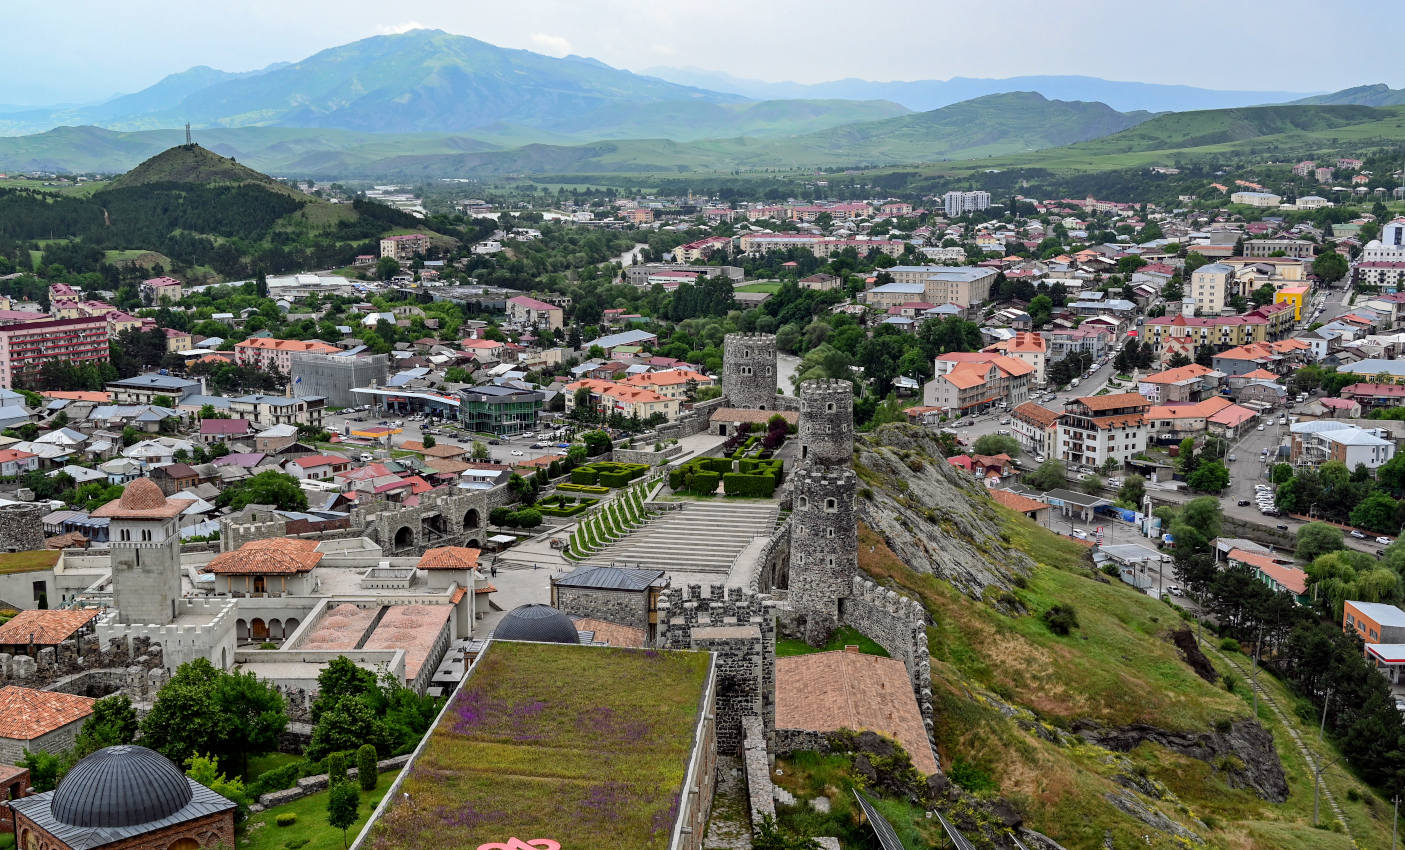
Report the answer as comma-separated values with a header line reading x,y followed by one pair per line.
x,y
188,142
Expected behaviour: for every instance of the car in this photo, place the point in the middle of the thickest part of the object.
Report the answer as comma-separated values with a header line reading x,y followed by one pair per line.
x,y
367,457
538,445
494,443
1243,503
1358,535
560,452
1232,458
1281,527
1004,420
1173,590
1080,534
517,453
1261,427
1384,541
1039,458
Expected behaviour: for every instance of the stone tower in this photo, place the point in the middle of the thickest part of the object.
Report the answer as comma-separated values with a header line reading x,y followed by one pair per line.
x,y
749,371
824,545
21,527
145,545
827,422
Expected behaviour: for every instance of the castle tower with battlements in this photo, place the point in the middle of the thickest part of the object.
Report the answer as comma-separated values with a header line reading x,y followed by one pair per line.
x,y
749,371
826,428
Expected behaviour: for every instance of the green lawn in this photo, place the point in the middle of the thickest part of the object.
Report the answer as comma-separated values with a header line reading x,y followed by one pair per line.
x,y
267,762
846,636
771,288
261,833
28,562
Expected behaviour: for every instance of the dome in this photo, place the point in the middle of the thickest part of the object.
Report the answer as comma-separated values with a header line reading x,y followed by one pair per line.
x,y
142,495
120,786
539,623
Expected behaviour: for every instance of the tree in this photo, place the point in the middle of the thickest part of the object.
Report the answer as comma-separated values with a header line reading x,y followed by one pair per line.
x,y
341,678
253,715
112,722
204,710
386,267
1040,306
1209,477
45,769
347,725
269,487
366,773
1205,356
1316,539
205,770
1330,266
1178,360
1133,490
1050,474
1090,484
428,441
336,768
995,444
1375,513
1185,456
1282,473
1205,514
597,443
343,802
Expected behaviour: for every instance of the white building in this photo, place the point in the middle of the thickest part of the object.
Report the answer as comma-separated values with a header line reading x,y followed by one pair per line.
x,y
1322,440
1256,199
960,203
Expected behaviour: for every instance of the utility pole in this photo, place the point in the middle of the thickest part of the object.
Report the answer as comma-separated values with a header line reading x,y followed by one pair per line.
x,y
1395,821
1316,786
1321,729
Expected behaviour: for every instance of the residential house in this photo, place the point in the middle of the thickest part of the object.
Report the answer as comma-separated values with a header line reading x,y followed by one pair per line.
x,y
1322,440
1183,384
970,382
145,389
1174,421
223,430
1095,429
269,410
316,467
525,311
1028,347
1036,428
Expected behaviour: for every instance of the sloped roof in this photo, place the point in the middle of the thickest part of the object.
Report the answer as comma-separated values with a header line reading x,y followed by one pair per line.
x,y
449,558
275,556
26,714
45,628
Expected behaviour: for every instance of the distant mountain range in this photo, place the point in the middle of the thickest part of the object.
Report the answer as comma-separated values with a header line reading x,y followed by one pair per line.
x,y
922,95
1379,94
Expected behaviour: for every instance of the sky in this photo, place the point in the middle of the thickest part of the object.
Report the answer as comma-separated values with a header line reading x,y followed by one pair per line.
x,y
86,50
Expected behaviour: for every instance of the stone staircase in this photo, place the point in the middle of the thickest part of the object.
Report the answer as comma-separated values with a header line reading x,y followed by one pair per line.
x,y
703,537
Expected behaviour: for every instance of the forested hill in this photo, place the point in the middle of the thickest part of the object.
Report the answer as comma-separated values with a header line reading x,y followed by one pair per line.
x,y
200,210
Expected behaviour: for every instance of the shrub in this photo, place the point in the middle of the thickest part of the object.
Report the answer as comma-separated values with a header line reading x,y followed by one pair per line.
x,y
1061,619
276,779
366,767
750,486
498,516
585,475
1229,645
583,488
527,518
336,768
705,483
286,819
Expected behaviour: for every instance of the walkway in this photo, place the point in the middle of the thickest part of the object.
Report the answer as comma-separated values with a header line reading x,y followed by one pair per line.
x,y
703,537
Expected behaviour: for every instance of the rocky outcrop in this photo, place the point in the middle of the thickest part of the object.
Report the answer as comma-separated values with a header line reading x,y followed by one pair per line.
x,y
1190,650
1242,751
935,518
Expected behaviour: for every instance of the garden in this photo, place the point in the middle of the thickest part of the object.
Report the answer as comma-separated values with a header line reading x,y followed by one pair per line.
x,y
745,478
617,518
606,473
563,505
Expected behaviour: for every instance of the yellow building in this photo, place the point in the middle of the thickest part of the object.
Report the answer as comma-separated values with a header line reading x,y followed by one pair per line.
x,y
1294,295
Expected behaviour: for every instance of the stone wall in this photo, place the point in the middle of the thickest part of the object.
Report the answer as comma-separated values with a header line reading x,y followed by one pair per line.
x,y
899,625
773,562
135,667
826,429
626,607
649,456
760,791
57,741
308,785
823,546
740,627
700,779
21,529
212,640
749,370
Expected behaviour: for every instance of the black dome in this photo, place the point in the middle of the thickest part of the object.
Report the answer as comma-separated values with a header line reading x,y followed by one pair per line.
x,y
120,786
539,623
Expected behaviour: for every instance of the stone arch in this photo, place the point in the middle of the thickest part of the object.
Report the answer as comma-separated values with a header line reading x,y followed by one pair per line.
x,y
473,543
404,538
435,523
290,625
241,629
258,629
184,844
472,519
275,629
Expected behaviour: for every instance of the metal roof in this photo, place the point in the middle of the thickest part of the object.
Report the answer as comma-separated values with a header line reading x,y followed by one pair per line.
x,y
609,578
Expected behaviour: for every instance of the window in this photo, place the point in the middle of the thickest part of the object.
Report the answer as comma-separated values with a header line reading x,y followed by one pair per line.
x,y
804,501
829,408
146,535
831,504
126,534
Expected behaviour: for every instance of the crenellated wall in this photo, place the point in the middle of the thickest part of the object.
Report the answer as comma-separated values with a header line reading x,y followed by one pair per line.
x,y
210,636
899,625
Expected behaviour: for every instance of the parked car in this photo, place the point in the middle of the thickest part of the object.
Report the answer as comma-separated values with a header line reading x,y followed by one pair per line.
x,y
1384,541
1243,503
1358,535
1173,590
517,453
1261,427
1281,527
367,457
1232,458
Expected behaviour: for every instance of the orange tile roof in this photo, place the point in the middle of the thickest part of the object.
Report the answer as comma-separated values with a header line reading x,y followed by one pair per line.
x,y
828,691
1178,374
274,556
45,628
1022,341
1036,414
26,714
458,596
967,375
1260,374
1234,415
1016,502
449,558
612,633
1113,401
265,343
77,395
667,378
142,499
1291,578
1195,410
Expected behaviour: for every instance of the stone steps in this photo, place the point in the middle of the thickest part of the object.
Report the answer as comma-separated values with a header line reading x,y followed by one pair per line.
x,y
703,537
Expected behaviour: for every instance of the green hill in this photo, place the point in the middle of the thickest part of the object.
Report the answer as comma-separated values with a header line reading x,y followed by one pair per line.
x,y
1379,94
1221,126
194,165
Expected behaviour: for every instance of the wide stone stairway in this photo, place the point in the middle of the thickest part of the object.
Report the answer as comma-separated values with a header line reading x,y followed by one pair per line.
x,y
703,537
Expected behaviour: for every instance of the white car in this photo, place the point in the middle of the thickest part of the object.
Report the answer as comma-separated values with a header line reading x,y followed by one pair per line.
x,y
1358,535
516,452
1261,427
1384,541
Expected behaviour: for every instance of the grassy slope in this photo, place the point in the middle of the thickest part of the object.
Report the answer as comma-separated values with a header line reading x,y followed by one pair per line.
x,y
195,164
261,833
1117,668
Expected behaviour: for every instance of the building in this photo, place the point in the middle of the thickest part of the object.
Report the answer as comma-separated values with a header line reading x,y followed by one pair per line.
x,y
611,397
145,389
266,411
1374,622
525,311
504,411
629,597
145,544
1174,421
971,382
1095,429
1185,383
158,289
820,282
963,285
333,376
1256,199
699,251
1321,440
277,566
276,355
960,203
27,346
1210,287
124,798
1294,296
39,721
1028,347
404,248
1299,248
1036,428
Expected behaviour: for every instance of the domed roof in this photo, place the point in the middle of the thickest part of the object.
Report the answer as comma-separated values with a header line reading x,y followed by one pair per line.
x,y
539,623
142,495
124,785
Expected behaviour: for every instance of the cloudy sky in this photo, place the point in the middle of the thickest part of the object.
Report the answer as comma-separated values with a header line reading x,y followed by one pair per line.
x,y
85,50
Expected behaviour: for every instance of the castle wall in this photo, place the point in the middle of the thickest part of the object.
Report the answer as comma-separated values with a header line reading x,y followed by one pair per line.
x,y
899,625
21,527
826,429
749,371
823,546
628,608
212,639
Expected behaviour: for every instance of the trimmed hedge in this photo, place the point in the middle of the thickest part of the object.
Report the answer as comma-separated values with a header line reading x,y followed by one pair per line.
x,y
568,509
608,473
583,488
705,483
751,486
285,818
585,475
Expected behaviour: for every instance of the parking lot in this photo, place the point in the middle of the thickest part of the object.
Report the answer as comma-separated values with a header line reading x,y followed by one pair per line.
x,y
500,449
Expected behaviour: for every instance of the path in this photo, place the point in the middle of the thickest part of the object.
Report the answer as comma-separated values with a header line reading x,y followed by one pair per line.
x,y
1292,731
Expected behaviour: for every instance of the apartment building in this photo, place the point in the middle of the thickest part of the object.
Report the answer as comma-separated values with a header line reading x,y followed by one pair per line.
x,y
1028,347
1321,440
1184,383
272,354
526,311
265,411
625,399
697,252
670,383
960,203
1256,199
1170,335
1036,428
1210,288
404,248
963,285
157,289
969,382
26,346
1095,429
1299,248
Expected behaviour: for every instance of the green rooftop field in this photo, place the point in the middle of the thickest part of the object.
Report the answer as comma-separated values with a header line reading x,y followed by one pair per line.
x,y
28,562
569,743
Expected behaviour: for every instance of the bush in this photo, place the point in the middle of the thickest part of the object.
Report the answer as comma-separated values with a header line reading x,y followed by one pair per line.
x,y
585,475
705,483
527,518
1061,619
1229,645
749,486
286,819
366,767
583,488
336,768
498,516
276,779
295,843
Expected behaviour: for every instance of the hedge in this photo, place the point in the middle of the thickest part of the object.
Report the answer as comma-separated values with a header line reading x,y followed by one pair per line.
x,y
583,488
286,818
705,483
752,486
585,475
567,509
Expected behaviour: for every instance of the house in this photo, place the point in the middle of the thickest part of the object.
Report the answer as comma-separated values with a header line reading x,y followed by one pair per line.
x,y
276,566
14,462
1028,347
316,467
222,430
276,355
1188,383
1325,439
1093,430
969,382
525,311
145,389
1173,422
1035,427
1278,573
39,721
174,477
157,289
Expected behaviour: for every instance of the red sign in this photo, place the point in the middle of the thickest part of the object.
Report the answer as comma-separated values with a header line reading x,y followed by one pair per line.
x,y
519,844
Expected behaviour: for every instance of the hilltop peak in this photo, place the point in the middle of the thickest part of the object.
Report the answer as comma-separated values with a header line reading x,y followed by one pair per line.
x,y
196,165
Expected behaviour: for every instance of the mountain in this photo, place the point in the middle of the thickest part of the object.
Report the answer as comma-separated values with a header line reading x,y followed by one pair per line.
x,y
931,94
1181,130
195,166
1379,94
